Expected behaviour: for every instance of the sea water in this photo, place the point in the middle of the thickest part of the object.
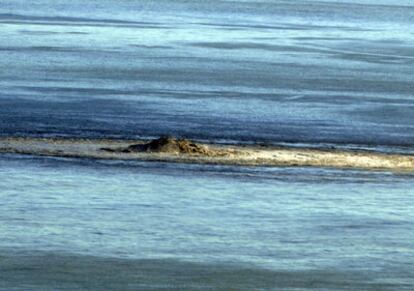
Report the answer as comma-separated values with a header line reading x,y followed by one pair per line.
x,y
338,228
314,73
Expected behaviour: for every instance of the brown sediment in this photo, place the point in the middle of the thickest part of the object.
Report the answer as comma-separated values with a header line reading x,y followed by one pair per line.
x,y
169,149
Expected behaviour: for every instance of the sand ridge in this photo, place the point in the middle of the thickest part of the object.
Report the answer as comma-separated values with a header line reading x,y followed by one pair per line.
x,y
170,149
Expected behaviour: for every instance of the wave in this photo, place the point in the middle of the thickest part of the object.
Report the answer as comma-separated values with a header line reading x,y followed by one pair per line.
x,y
75,21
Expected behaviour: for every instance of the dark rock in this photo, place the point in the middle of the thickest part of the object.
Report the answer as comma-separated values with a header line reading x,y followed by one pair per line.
x,y
167,144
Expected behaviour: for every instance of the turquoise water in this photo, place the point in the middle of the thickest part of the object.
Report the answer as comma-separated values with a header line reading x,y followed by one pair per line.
x,y
331,222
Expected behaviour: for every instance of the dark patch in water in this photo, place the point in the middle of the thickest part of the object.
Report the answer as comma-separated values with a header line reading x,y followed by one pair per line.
x,y
77,21
152,46
41,270
69,19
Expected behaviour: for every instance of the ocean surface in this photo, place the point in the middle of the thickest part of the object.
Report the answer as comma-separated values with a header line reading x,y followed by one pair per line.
x,y
303,73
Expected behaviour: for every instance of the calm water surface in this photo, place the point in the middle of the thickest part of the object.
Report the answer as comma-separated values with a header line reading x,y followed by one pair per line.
x,y
313,73
337,228
255,71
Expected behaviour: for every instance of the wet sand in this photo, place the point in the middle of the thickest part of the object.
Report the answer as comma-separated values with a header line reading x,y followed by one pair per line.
x,y
213,154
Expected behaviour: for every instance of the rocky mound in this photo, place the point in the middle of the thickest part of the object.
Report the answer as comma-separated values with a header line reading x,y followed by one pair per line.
x,y
169,145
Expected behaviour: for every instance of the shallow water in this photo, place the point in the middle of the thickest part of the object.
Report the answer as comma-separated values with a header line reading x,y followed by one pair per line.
x,y
328,222
314,73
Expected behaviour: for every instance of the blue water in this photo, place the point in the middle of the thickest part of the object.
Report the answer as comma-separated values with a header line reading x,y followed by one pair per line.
x,y
351,227
261,71
303,72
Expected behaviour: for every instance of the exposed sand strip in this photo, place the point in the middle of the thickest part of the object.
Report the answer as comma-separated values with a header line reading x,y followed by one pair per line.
x,y
185,151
